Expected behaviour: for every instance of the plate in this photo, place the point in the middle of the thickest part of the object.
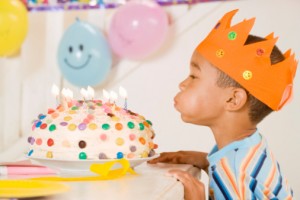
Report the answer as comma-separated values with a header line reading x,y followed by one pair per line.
x,y
30,188
83,165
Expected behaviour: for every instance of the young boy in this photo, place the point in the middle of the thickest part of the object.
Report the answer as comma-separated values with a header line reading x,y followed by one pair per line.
x,y
235,80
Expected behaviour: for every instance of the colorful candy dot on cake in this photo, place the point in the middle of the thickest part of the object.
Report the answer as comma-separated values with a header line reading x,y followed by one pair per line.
x,y
151,153
120,155
72,112
115,118
130,125
82,156
130,155
74,108
90,117
142,140
82,144
41,116
149,122
52,127
132,148
63,123
132,137
93,126
50,142
72,127
31,140
54,115
39,141
50,111
49,154
67,118
105,126
30,152
144,154
146,124
103,137
118,126
38,124
102,156
142,127
82,126
119,141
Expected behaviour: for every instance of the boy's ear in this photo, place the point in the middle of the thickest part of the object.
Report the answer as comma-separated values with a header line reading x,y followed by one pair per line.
x,y
236,99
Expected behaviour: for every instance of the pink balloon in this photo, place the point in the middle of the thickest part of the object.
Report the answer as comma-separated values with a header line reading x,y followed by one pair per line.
x,y
138,29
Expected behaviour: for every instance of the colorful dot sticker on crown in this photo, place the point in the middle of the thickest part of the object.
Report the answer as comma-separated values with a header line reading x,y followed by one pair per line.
x,y
220,53
232,35
247,75
260,52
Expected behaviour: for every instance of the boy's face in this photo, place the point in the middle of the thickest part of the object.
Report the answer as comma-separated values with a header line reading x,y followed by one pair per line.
x,y
200,100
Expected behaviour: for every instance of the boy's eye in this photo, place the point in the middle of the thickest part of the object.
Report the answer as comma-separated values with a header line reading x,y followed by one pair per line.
x,y
192,76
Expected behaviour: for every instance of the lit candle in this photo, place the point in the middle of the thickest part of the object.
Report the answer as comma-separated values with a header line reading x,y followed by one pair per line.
x,y
63,98
90,92
106,95
113,96
55,92
123,94
84,94
68,95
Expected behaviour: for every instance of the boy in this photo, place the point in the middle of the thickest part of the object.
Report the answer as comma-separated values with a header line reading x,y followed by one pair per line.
x,y
235,80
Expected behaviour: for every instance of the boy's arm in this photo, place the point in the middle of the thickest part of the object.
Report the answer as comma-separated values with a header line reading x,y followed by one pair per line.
x,y
198,159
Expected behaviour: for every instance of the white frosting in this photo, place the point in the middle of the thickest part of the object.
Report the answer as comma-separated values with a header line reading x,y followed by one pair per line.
x,y
80,129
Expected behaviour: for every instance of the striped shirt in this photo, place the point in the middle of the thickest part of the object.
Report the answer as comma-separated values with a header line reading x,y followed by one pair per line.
x,y
247,170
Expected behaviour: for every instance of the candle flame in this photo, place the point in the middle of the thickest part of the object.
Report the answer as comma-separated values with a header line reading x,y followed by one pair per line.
x,y
90,92
113,96
84,93
55,90
105,94
123,92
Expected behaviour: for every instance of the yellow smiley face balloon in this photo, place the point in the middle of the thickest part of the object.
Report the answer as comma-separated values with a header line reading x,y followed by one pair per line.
x,y
13,26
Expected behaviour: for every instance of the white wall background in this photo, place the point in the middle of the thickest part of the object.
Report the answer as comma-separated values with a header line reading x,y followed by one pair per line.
x,y
26,80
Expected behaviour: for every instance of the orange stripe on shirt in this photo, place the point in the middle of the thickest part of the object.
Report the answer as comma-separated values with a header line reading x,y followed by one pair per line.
x,y
271,174
244,166
230,175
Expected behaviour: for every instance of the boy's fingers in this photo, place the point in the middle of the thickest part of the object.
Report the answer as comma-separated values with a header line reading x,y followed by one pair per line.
x,y
164,157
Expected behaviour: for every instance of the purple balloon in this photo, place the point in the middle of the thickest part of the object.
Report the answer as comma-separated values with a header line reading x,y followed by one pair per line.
x,y
138,29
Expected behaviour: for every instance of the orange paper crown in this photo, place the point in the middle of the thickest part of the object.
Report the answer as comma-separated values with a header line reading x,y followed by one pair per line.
x,y
250,65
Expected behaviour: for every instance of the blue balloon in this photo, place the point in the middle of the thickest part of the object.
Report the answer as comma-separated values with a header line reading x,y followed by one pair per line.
x,y
84,56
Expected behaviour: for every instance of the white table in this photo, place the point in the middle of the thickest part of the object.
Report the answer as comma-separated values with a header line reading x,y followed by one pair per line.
x,y
151,183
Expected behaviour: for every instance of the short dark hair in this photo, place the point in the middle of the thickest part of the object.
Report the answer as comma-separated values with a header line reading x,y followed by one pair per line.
x,y
257,109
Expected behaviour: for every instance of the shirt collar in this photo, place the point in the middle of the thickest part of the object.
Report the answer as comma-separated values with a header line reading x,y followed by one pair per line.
x,y
215,155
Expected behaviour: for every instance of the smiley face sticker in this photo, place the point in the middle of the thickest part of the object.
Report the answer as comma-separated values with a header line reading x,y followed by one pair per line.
x,y
84,56
247,75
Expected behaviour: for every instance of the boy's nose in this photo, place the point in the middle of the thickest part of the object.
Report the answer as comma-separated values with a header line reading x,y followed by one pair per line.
x,y
182,85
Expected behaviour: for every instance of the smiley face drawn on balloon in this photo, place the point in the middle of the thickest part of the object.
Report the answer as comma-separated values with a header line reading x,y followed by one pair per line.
x,y
84,56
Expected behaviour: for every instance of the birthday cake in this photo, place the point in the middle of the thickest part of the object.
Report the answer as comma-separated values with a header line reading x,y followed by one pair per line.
x,y
91,130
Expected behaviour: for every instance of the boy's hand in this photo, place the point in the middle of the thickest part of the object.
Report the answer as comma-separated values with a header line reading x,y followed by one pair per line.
x,y
193,188
197,159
